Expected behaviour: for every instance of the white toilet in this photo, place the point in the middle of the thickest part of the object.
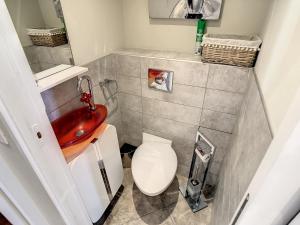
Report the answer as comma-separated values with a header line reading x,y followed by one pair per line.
x,y
154,165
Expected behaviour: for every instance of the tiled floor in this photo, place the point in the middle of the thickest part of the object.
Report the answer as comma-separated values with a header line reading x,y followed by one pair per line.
x,y
169,208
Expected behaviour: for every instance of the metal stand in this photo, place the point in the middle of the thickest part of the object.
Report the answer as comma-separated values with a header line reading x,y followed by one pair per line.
x,y
192,191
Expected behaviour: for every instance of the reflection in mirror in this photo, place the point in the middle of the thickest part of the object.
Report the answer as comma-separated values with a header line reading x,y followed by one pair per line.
x,y
42,32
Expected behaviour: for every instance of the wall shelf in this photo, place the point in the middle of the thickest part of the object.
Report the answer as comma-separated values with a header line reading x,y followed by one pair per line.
x,y
57,75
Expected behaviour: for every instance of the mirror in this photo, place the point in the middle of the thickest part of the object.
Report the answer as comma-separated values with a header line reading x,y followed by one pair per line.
x,y
185,9
42,32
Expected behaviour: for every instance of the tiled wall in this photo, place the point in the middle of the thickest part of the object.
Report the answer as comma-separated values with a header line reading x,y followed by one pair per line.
x,y
61,99
251,138
65,97
203,95
41,58
100,69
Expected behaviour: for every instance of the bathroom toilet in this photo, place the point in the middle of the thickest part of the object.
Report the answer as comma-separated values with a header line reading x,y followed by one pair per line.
x,y
154,165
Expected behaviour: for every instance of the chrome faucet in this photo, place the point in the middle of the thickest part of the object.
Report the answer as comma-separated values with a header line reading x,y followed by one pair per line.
x,y
86,97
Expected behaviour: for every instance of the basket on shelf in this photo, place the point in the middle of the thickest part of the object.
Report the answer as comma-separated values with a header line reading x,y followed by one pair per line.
x,y
233,50
48,37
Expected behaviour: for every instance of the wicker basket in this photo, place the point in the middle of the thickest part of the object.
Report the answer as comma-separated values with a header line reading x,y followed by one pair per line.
x,y
230,49
48,37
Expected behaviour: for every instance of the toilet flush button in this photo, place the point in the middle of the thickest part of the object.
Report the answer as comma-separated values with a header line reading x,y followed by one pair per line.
x,y
3,139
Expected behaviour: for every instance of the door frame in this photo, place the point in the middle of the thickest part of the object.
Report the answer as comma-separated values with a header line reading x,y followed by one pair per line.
x,y
24,113
10,211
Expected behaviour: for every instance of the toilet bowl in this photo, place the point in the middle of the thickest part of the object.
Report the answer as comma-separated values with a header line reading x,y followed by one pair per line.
x,y
154,165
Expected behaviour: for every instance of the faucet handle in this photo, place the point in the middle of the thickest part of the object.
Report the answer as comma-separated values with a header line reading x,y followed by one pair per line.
x,y
85,97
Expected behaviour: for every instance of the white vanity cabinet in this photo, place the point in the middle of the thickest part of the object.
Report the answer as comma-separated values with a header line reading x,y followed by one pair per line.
x,y
110,152
98,172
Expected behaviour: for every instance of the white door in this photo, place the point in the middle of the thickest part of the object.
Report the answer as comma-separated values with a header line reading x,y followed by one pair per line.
x,y
24,113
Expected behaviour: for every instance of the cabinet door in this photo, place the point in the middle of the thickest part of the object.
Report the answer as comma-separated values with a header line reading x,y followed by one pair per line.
x,y
109,151
88,179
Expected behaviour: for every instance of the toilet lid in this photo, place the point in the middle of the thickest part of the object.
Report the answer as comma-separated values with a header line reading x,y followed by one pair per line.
x,y
154,167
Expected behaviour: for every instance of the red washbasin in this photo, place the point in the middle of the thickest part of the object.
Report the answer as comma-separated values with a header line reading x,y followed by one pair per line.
x,y
78,125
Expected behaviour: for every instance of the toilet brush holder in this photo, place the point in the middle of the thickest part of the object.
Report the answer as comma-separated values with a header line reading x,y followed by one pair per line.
x,y
192,190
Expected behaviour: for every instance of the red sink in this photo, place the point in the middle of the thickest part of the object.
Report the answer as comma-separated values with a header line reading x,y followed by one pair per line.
x,y
78,125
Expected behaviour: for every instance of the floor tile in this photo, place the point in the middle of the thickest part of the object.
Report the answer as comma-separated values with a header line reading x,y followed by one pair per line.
x,y
169,208
182,214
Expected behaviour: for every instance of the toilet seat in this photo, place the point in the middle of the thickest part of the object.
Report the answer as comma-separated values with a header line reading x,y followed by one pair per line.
x,y
154,166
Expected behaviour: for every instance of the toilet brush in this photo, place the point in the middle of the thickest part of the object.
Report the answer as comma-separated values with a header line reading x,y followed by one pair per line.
x,y
194,181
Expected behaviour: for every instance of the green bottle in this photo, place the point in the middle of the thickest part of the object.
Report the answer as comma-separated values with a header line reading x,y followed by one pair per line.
x,y
199,36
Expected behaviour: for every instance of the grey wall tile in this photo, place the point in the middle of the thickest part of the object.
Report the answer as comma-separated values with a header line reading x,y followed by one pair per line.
x,y
94,71
110,88
129,65
249,144
44,55
222,101
184,150
132,127
177,112
170,127
35,67
132,141
212,178
60,94
219,139
61,54
98,95
30,54
130,102
46,65
115,119
108,64
129,85
182,94
215,168
47,57
160,133
228,78
132,118
188,73
112,104
102,68
219,154
67,107
183,170
99,92
218,121
132,134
